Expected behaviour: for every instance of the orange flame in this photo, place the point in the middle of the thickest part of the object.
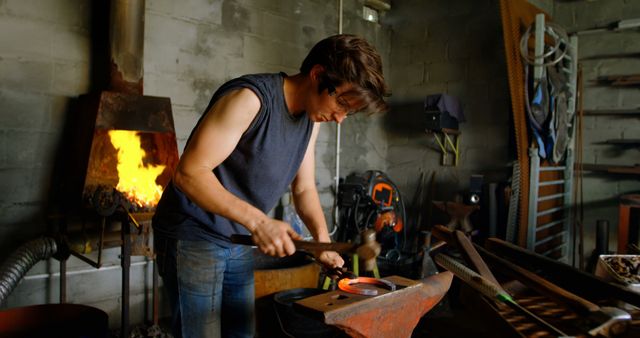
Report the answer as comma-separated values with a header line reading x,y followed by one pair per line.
x,y
136,180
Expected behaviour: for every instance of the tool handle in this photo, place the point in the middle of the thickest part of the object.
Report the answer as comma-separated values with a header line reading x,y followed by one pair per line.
x,y
242,239
313,247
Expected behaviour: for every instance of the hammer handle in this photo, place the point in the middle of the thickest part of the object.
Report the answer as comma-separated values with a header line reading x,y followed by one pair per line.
x,y
302,245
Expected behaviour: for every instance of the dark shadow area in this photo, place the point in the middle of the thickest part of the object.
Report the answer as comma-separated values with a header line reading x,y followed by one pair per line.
x,y
406,119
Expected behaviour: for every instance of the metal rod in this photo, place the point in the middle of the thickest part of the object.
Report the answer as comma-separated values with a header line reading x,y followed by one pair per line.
x,y
551,197
126,264
550,224
547,183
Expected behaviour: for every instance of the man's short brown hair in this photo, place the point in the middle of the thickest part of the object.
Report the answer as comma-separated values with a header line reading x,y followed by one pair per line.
x,y
351,59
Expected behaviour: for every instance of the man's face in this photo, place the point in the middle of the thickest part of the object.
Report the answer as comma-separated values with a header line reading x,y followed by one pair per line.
x,y
331,105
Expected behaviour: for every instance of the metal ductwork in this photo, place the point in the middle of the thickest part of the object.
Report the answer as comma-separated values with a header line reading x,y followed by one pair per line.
x,y
126,37
21,261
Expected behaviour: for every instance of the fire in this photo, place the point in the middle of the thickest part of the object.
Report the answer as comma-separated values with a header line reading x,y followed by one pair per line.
x,y
136,180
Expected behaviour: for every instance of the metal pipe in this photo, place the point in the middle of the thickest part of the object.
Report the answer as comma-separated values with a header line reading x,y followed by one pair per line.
x,y
126,265
336,209
126,37
21,261
602,237
63,281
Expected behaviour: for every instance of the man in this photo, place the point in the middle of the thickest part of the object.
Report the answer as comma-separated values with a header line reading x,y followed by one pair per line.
x,y
256,138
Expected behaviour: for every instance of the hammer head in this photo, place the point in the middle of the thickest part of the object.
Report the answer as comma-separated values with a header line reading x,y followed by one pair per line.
x,y
615,322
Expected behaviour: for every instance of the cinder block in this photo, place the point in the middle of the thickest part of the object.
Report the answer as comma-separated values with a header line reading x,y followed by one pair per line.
x,y
22,110
411,74
30,148
440,72
427,52
294,58
213,40
600,44
600,97
596,14
35,38
457,49
71,78
185,119
73,13
598,188
630,99
278,27
70,44
261,50
201,11
626,66
23,75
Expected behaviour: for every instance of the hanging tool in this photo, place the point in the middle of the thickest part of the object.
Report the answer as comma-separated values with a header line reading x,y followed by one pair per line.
x,y
491,290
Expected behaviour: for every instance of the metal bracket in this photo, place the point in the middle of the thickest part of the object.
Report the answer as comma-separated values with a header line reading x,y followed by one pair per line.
x,y
449,142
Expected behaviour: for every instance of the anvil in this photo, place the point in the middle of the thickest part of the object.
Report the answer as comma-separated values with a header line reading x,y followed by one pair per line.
x,y
388,314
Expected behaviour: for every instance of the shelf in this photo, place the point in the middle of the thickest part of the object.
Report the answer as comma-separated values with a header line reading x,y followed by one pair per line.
x,y
624,142
610,169
619,112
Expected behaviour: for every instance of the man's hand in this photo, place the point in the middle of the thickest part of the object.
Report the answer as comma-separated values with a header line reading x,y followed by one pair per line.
x,y
274,238
331,259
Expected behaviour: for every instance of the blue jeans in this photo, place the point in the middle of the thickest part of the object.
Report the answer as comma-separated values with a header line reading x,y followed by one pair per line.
x,y
216,290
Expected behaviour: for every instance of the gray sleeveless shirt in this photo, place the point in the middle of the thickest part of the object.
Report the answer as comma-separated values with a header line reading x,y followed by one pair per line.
x,y
258,171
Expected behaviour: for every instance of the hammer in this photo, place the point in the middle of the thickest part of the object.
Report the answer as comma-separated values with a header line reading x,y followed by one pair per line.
x,y
367,250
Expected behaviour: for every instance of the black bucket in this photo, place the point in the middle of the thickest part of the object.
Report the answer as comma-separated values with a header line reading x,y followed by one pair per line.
x,y
54,320
296,324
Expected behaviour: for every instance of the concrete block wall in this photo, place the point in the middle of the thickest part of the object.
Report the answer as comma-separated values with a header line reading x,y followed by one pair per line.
x,y
43,62
455,48
191,47
602,190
